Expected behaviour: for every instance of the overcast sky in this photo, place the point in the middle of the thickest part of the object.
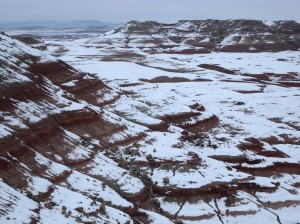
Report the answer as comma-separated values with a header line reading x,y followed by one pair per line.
x,y
160,10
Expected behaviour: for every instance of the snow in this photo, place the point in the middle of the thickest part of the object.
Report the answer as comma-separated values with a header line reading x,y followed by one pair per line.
x,y
72,135
268,22
186,47
174,98
104,167
196,178
70,84
119,70
198,209
38,185
31,111
5,131
205,40
94,187
53,169
230,40
73,200
156,218
77,182
292,151
245,108
15,207
13,47
186,26
252,49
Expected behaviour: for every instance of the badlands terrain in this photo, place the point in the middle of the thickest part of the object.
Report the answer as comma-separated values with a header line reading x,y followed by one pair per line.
x,y
192,122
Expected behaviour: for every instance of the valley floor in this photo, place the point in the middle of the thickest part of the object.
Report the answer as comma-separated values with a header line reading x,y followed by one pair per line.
x,y
239,158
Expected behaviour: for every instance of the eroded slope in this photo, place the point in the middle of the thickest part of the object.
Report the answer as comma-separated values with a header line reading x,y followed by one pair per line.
x,y
174,138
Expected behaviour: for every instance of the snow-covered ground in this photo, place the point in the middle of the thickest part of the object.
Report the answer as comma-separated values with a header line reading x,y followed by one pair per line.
x,y
246,108
203,165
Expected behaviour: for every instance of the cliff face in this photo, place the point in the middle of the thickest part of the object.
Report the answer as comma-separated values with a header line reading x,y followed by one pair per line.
x,y
203,36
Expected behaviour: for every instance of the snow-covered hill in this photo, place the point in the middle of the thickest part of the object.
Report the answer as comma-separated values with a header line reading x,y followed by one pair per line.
x,y
54,137
105,132
203,36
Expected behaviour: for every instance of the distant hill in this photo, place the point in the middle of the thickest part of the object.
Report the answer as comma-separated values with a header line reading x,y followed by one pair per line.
x,y
86,24
55,29
204,36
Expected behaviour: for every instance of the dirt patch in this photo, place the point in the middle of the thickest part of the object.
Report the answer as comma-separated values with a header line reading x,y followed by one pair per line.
x,y
163,127
142,196
204,125
27,39
179,118
249,91
282,204
290,84
263,77
251,144
272,140
201,80
236,159
290,79
130,84
217,68
197,218
56,71
256,146
217,190
276,168
62,177
280,121
197,107
166,79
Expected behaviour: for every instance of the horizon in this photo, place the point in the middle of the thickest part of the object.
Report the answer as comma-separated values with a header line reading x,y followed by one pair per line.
x,y
4,22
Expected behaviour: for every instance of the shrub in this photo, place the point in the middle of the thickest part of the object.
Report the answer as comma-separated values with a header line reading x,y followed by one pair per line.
x,y
102,209
166,180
